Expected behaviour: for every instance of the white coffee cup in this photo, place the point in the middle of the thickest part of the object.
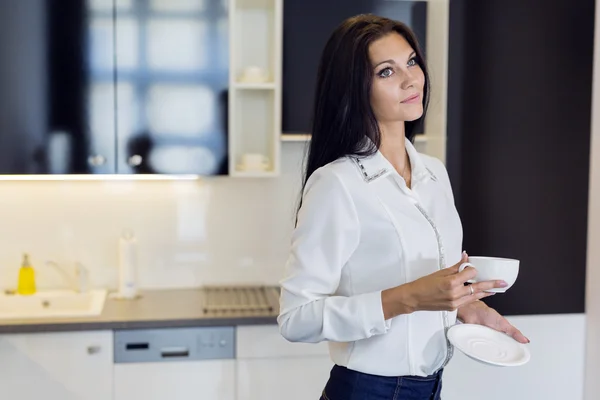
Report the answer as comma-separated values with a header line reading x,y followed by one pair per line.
x,y
493,268
253,74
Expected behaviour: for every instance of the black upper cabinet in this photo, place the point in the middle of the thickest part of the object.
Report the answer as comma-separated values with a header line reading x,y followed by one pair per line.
x,y
23,75
105,86
47,119
82,94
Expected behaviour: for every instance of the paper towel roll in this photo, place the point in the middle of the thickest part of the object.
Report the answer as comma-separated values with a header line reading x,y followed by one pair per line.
x,y
127,266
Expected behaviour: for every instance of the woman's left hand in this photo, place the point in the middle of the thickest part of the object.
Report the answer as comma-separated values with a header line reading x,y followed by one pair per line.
x,y
479,313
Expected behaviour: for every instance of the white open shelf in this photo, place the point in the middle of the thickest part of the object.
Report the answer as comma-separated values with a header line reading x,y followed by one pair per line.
x,y
254,86
438,17
253,126
295,137
305,137
256,36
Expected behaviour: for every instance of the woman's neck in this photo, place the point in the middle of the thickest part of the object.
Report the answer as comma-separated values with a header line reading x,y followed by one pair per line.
x,y
393,147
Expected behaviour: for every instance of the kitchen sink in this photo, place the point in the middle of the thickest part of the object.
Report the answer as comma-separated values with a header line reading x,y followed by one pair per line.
x,y
52,304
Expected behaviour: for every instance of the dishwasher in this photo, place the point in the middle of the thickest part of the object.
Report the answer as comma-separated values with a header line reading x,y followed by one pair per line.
x,y
175,363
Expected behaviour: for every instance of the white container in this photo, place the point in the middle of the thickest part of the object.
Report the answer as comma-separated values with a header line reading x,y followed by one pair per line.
x,y
128,286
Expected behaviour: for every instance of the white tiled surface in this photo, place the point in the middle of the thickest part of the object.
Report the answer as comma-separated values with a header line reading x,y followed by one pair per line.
x,y
218,230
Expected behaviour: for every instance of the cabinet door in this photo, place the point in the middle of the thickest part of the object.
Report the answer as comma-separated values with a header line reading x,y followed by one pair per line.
x,y
57,98
172,61
98,146
199,380
295,378
56,366
23,79
270,367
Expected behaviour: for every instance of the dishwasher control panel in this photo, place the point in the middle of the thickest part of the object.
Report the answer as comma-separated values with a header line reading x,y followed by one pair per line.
x,y
174,344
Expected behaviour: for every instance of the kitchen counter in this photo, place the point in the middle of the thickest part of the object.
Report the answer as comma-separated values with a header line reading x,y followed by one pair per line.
x,y
158,309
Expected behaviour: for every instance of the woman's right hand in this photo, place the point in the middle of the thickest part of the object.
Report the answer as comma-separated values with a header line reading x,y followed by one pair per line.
x,y
443,290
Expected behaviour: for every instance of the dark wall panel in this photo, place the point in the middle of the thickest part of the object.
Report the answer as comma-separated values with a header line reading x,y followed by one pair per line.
x,y
518,146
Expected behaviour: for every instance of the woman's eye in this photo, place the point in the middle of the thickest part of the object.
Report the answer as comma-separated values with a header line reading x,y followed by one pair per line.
x,y
412,62
386,72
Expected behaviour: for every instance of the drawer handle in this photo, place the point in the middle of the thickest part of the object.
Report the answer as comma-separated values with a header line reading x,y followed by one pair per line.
x,y
169,352
137,346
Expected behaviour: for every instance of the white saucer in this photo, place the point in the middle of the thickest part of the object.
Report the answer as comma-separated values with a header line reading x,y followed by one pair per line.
x,y
488,345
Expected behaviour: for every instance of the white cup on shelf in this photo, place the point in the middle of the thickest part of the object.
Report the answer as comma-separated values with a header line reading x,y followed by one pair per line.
x,y
253,74
254,162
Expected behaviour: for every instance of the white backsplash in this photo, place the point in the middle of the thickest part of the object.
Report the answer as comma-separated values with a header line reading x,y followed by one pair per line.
x,y
190,233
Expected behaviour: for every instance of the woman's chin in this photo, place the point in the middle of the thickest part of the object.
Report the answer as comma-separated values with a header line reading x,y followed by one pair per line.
x,y
413,115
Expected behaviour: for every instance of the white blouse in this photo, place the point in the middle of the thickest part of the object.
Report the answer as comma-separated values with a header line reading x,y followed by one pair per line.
x,y
361,230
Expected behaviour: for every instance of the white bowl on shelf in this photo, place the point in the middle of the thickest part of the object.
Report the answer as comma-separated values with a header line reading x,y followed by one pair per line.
x,y
253,74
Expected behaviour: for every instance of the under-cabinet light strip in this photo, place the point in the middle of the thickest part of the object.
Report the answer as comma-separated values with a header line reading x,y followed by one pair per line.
x,y
99,177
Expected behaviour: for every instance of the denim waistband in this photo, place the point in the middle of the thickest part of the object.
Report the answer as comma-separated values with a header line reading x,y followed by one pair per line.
x,y
347,384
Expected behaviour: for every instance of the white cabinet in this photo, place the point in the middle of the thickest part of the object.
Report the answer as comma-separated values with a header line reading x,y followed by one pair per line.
x,y
56,366
269,367
256,53
80,366
198,380
297,378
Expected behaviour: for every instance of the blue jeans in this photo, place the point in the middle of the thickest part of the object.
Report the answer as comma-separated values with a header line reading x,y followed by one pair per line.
x,y
346,384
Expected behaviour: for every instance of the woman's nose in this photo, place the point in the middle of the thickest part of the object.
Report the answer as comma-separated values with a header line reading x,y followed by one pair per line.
x,y
408,80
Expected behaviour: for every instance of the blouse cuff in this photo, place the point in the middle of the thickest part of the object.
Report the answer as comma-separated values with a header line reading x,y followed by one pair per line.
x,y
372,313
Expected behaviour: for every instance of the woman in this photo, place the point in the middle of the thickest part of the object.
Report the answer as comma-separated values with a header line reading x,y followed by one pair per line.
x,y
373,267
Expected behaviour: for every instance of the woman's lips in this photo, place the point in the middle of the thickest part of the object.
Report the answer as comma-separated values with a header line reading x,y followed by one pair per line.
x,y
411,99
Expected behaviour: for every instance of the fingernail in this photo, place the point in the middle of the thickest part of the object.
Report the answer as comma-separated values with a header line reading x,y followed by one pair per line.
x,y
502,284
528,341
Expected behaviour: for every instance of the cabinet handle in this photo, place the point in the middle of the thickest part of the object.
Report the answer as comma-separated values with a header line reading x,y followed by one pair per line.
x,y
174,352
96,160
93,349
135,160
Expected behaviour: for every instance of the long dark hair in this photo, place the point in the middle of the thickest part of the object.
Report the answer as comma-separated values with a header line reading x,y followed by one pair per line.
x,y
342,114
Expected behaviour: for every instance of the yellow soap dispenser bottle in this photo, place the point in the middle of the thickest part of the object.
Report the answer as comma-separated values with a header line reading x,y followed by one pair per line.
x,y
26,284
